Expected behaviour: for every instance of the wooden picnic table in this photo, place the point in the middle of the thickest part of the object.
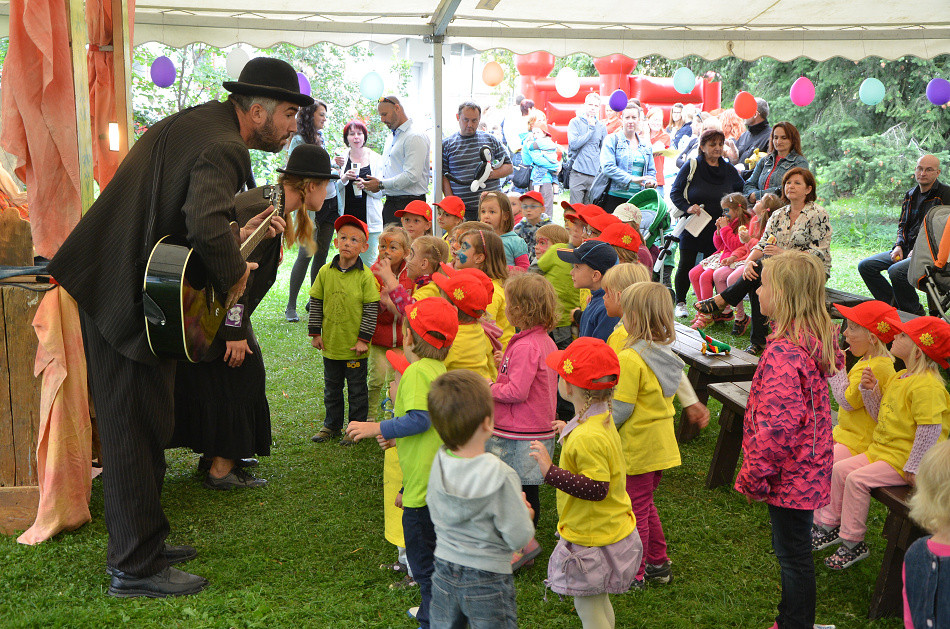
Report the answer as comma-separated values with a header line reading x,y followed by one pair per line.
x,y
734,396
705,369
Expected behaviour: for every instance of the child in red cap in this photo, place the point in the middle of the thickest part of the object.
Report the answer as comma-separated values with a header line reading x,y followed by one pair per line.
x,y
573,223
451,212
628,244
430,329
914,413
346,290
532,207
470,290
416,218
595,520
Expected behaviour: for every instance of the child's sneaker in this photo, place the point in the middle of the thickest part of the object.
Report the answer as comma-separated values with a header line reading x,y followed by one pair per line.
x,y
412,611
325,434
739,326
680,311
721,317
638,585
845,557
661,573
821,538
396,566
347,440
403,584
525,556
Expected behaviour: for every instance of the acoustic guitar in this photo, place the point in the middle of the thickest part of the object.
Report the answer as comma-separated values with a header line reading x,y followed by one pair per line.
x,y
183,311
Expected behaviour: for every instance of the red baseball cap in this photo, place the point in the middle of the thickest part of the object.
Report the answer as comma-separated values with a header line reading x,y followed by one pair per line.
x,y
872,315
575,209
465,291
621,235
397,360
478,274
420,208
585,360
930,334
597,218
452,205
534,195
347,219
434,314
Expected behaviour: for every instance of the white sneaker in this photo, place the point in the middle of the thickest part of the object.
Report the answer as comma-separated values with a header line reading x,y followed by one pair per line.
x,y
412,612
680,310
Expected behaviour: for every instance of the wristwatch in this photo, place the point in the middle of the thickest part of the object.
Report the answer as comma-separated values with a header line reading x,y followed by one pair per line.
x,y
381,186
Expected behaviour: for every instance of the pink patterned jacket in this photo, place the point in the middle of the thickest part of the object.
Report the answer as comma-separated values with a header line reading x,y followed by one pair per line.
x,y
786,442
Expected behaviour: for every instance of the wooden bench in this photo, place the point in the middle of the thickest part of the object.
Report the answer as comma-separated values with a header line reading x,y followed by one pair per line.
x,y
834,296
706,369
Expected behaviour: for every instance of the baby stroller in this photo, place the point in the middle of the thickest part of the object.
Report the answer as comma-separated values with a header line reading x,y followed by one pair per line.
x,y
656,227
928,262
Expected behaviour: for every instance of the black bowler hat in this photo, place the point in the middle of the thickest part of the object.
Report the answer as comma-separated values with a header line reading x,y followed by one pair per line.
x,y
310,162
271,78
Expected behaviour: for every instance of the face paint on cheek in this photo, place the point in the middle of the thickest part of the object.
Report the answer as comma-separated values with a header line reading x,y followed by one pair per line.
x,y
462,257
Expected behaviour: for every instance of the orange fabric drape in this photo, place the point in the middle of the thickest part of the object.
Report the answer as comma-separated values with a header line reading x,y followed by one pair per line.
x,y
39,118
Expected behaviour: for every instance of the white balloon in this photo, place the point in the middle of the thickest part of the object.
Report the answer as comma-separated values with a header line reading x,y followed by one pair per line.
x,y
567,83
237,59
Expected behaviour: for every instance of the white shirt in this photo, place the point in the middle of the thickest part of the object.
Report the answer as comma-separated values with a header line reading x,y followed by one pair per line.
x,y
405,168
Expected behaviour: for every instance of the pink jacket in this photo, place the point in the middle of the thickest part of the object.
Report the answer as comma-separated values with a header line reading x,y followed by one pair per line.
x,y
786,441
525,393
726,240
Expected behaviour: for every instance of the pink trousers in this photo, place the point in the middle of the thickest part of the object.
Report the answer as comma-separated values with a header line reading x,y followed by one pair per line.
x,y
702,281
852,480
640,488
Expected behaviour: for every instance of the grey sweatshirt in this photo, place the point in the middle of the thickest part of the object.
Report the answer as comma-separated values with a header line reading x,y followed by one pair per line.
x,y
479,515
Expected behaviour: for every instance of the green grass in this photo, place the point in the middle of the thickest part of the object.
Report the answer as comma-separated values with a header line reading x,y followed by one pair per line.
x,y
304,551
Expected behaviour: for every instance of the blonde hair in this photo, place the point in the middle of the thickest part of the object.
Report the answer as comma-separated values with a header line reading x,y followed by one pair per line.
x,y
737,201
504,204
299,226
648,314
459,401
486,242
394,232
555,233
593,396
918,362
930,504
626,256
797,282
532,302
433,249
620,276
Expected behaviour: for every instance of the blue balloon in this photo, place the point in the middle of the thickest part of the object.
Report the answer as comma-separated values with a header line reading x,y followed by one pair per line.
x,y
163,71
618,100
938,91
684,81
871,92
371,86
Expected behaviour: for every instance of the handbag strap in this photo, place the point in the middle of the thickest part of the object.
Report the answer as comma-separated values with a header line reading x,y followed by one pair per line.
x,y
693,163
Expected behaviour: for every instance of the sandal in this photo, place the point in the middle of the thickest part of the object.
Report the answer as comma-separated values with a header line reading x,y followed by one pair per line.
x,y
708,306
721,317
845,557
701,321
740,326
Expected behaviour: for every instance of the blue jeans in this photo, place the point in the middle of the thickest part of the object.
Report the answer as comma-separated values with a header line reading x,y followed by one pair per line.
x,y
353,373
468,597
899,292
791,540
420,551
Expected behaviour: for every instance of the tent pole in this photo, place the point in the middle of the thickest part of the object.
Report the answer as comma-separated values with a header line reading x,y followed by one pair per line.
x,y
437,130
77,45
121,58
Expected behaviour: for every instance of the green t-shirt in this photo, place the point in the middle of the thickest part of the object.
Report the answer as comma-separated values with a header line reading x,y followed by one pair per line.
x,y
558,272
343,294
416,452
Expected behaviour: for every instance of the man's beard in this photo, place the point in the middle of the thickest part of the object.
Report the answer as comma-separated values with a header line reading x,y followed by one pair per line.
x,y
266,137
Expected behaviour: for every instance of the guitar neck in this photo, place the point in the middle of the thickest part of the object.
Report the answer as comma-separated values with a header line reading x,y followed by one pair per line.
x,y
277,200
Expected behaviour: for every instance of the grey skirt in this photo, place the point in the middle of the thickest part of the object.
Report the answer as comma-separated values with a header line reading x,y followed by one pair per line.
x,y
575,570
516,453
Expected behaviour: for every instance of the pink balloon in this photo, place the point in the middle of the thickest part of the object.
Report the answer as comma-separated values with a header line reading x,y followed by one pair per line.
x,y
802,92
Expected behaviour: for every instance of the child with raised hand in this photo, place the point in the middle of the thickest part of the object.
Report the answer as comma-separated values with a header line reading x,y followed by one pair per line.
x,y
590,261
482,249
393,250
867,334
495,210
416,219
595,521
451,213
534,218
927,562
650,374
431,327
525,390
470,291
914,414
786,442
426,255
346,291
477,508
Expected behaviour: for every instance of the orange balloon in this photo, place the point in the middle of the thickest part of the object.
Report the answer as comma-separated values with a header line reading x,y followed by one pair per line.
x,y
493,74
745,105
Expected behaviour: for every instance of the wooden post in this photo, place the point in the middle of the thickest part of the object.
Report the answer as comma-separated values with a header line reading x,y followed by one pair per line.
x,y
77,43
121,58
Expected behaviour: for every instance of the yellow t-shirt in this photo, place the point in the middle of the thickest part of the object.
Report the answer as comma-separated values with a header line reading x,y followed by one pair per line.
x,y
908,402
496,311
429,290
617,338
471,350
648,436
593,449
855,427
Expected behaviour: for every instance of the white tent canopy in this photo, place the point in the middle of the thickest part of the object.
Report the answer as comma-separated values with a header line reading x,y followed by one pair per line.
x,y
783,29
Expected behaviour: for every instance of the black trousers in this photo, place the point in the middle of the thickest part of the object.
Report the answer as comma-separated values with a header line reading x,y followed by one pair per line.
x,y
353,373
688,259
733,296
136,416
395,203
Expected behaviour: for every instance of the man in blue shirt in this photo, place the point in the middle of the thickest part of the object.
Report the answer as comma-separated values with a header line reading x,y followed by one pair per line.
x,y
585,135
461,159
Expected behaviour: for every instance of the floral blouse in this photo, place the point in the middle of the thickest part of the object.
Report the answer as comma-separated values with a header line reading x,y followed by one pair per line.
x,y
811,233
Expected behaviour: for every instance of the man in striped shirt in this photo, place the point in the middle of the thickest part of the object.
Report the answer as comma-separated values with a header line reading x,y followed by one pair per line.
x,y
461,159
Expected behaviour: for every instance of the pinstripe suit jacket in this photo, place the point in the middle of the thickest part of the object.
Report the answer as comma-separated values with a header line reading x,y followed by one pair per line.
x,y
102,262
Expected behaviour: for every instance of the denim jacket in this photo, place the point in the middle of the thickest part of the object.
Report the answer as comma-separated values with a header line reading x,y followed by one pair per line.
x,y
621,164
926,583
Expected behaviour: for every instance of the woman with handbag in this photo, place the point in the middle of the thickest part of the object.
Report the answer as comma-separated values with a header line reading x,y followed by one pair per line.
x,y
627,160
701,183
356,163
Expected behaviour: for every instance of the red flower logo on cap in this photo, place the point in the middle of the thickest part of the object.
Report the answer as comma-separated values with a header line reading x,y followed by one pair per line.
x,y
414,313
459,294
883,327
568,366
627,239
926,339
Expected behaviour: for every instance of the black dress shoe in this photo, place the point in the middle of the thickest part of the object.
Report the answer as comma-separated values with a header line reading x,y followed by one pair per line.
x,y
168,582
173,555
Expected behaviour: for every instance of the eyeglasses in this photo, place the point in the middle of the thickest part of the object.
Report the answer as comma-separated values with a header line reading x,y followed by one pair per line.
x,y
384,99
920,169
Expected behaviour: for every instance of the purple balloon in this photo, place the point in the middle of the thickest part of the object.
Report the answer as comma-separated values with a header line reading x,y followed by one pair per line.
x,y
163,71
304,83
618,100
938,91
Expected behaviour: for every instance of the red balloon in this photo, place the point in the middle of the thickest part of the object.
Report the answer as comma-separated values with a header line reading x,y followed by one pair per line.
x,y
745,105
